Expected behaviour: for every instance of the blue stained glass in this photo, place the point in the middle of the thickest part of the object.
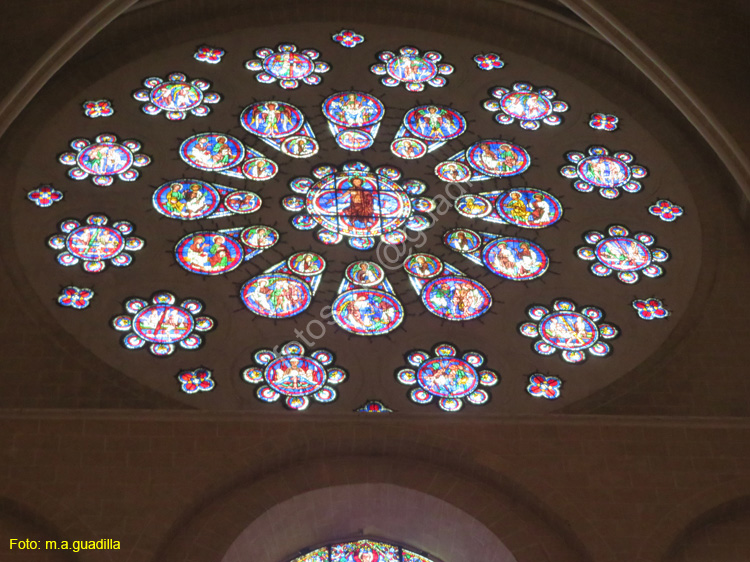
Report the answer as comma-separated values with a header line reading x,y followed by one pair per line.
x,y
483,160
295,375
359,204
366,304
446,376
285,289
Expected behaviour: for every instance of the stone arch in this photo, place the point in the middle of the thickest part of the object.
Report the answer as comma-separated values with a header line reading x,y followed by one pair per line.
x,y
695,512
19,521
528,531
720,533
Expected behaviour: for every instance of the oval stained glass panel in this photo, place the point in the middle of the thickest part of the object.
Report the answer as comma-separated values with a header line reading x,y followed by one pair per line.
x,y
186,199
208,253
529,208
104,159
498,158
295,376
212,152
568,331
163,323
276,295
448,377
176,96
93,243
603,171
456,298
367,312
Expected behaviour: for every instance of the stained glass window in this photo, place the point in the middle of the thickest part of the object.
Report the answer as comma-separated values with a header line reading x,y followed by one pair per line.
x,y
176,96
225,154
288,66
446,291
358,203
412,69
524,207
575,334
192,199
282,126
213,223
618,251
450,377
104,159
364,550
483,160
348,38
366,304
45,196
285,289
516,259
163,323
525,104
426,128
354,118
598,169
215,252
294,374
95,242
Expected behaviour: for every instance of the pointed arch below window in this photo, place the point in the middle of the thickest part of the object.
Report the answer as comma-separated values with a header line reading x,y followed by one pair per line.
x,y
417,522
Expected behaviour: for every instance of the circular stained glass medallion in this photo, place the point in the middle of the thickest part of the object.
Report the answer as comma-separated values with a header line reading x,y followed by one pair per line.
x,y
295,375
163,323
411,68
354,140
288,65
271,119
408,148
208,253
365,273
259,169
462,240
604,171
434,123
526,106
276,295
529,208
367,312
473,206
92,243
358,204
623,254
423,266
242,202
353,109
568,331
212,152
448,377
299,146
516,259
306,263
176,96
259,237
456,298
186,199
104,159
498,158
453,171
